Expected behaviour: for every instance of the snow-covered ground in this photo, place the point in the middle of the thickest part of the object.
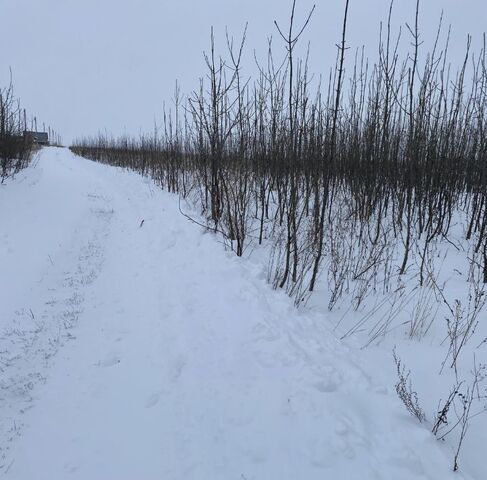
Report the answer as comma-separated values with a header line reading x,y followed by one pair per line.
x,y
132,346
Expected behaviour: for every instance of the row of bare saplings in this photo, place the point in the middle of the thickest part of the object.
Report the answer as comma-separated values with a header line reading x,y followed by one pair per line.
x,y
15,147
356,186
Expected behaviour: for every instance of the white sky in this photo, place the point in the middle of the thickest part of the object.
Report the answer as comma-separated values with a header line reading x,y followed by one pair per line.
x,y
87,65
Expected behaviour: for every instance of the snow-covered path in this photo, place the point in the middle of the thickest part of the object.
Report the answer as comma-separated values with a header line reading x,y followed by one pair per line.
x,y
134,347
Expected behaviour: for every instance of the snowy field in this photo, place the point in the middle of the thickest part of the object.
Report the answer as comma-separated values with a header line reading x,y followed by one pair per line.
x,y
132,346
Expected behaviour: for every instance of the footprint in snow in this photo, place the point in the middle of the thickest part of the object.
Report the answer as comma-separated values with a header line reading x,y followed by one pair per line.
x,y
109,362
152,400
328,386
177,367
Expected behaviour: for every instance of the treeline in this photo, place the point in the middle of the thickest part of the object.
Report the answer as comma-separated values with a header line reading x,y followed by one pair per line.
x,y
15,147
18,134
358,181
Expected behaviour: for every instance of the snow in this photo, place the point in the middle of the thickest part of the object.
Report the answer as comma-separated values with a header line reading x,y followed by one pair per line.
x,y
133,349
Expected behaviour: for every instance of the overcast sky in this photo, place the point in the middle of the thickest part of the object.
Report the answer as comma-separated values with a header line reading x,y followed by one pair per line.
x,y
90,65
